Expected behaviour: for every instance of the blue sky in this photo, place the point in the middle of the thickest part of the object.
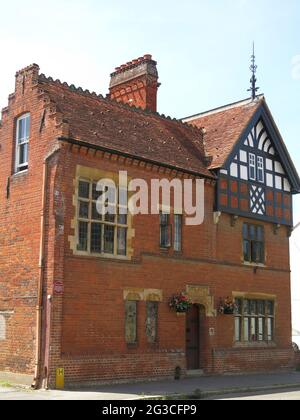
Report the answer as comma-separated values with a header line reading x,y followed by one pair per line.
x,y
203,49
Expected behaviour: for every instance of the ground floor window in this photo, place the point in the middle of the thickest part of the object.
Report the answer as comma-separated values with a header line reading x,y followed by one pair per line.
x,y
254,320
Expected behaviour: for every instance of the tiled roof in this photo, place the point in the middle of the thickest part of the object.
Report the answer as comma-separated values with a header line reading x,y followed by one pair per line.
x,y
223,128
101,122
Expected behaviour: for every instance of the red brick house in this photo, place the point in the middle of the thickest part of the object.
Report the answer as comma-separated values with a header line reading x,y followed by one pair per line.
x,y
88,296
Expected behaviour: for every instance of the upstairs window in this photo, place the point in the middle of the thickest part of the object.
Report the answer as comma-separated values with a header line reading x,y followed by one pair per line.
x,y
22,143
252,167
165,231
254,243
101,234
260,169
178,232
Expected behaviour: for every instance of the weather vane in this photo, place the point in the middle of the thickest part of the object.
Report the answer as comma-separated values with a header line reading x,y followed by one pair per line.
x,y
253,69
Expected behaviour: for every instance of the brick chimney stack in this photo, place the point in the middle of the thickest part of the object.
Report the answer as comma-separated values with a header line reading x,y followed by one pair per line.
x,y
136,83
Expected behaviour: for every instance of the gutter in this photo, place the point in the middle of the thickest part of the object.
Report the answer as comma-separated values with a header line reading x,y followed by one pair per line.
x,y
131,156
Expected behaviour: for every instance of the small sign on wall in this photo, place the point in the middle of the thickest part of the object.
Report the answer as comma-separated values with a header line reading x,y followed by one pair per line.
x,y
60,378
59,288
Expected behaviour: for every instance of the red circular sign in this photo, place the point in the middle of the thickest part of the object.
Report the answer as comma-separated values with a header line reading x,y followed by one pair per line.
x,y
59,288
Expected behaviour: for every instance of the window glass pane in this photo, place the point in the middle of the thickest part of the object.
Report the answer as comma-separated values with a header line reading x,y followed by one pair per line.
x,y
164,219
122,240
238,306
245,231
261,333
238,325
252,232
110,217
260,256
96,237
246,329
261,307
21,130
122,219
123,197
23,153
247,251
82,236
84,189
83,209
260,233
152,322
95,214
131,322
109,239
164,236
270,308
260,169
95,194
270,327
177,232
253,329
112,195
246,307
253,307
27,126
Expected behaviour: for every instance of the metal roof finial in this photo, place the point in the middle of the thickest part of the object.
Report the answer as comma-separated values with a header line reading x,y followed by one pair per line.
x,y
253,80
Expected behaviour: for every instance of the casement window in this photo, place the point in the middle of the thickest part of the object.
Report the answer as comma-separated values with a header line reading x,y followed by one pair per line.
x,y
131,322
254,320
22,143
178,232
165,230
101,234
252,167
260,169
253,243
152,322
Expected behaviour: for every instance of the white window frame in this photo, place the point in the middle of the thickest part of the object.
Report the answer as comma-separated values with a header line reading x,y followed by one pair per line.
x,y
260,167
20,142
252,164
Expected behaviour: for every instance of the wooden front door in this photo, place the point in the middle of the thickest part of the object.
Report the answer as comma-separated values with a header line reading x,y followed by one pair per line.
x,y
193,338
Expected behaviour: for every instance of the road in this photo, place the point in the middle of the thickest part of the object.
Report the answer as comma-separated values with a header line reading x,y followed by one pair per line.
x,y
278,396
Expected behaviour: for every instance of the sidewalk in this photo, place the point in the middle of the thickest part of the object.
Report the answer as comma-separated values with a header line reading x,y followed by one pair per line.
x,y
203,387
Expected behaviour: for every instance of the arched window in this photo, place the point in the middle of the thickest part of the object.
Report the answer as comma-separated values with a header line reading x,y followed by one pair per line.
x,y
22,143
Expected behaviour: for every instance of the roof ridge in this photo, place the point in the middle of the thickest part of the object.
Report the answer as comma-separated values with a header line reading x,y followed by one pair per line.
x,y
94,95
232,105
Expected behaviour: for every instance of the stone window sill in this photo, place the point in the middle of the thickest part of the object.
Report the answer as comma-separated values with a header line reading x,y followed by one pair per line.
x,y
256,345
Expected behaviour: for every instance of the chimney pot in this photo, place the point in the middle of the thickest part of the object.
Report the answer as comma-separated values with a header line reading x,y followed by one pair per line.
x,y
136,83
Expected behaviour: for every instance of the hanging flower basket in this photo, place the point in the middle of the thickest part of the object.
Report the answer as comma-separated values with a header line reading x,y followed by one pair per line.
x,y
227,306
180,303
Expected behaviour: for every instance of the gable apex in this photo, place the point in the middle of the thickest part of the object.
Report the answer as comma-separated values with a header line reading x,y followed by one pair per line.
x,y
263,136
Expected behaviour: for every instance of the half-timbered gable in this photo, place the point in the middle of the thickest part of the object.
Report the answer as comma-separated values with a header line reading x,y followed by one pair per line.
x,y
256,175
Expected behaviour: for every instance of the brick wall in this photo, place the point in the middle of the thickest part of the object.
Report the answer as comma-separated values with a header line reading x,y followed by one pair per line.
x,y
90,316
20,221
